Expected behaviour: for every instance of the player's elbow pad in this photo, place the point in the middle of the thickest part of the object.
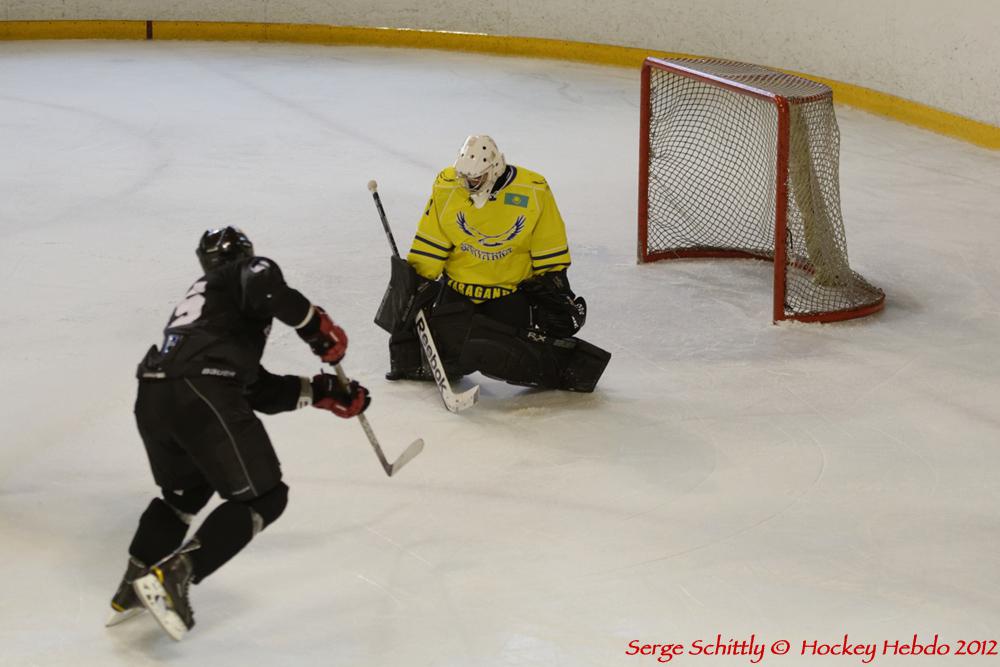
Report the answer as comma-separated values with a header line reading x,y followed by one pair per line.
x,y
291,307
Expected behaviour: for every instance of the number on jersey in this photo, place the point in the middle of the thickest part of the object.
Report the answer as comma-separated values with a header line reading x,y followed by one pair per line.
x,y
189,310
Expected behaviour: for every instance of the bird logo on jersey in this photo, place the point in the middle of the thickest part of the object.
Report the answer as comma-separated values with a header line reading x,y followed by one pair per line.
x,y
491,240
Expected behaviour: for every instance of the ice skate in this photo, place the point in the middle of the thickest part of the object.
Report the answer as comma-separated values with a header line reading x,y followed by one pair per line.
x,y
125,604
164,592
418,374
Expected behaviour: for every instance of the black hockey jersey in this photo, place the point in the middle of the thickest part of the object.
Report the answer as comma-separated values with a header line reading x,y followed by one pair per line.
x,y
221,326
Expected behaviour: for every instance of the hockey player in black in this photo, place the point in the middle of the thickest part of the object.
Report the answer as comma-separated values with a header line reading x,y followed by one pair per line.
x,y
198,392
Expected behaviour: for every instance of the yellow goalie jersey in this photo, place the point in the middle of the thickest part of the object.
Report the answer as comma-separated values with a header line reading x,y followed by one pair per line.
x,y
486,252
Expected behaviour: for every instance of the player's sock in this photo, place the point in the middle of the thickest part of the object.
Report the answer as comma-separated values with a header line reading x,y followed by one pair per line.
x,y
160,531
232,525
222,535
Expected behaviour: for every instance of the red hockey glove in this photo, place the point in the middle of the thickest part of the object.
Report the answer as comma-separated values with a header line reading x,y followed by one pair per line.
x,y
329,394
327,340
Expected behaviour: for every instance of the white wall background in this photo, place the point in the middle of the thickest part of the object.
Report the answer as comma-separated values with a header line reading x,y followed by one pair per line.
x,y
946,55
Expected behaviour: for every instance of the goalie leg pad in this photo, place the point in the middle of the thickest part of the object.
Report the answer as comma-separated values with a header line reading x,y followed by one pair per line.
x,y
584,367
450,325
404,353
496,350
532,359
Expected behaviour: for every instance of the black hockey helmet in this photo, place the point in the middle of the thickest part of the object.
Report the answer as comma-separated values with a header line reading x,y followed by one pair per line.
x,y
221,246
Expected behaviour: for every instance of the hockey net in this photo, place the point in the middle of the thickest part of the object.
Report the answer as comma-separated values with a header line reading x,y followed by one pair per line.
x,y
739,160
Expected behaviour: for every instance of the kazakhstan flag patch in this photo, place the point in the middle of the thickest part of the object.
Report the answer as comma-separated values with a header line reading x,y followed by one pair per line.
x,y
512,199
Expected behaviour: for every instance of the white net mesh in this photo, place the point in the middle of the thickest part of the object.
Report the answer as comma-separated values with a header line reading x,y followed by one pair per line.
x,y
713,173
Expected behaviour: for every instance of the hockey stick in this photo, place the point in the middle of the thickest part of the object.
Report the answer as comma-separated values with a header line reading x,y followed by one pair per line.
x,y
454,402
408,454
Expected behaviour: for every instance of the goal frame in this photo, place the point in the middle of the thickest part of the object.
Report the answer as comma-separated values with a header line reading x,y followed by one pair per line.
x,y
783,106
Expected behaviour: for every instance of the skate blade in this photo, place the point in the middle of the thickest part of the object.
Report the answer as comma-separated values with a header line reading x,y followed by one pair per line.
x,y
117,617
154,597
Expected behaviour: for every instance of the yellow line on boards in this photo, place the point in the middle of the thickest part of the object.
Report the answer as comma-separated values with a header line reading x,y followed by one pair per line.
x,y
882,104
18,30
404,38
913,113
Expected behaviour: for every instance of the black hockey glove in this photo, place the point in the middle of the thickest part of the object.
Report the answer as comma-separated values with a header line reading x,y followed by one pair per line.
x,y
555,310
329,394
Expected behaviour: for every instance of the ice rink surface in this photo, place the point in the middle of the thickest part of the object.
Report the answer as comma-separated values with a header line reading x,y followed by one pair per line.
x,y
729,477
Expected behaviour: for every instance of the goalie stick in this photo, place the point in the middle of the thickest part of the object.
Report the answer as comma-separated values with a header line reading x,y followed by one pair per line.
x,y
408,454
454,402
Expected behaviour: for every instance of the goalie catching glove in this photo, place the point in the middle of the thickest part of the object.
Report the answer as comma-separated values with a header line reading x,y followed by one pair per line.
x,y
555,310
327,340
329,394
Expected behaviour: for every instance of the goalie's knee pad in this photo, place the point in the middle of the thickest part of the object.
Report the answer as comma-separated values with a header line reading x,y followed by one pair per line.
x,y
268,507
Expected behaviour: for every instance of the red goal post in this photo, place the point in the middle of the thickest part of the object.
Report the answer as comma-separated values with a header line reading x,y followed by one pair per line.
x,y
739,160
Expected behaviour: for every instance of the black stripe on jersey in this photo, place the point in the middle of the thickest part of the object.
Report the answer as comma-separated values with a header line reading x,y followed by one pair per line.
x,y
549,256
506,178
427,254
548,266
420,238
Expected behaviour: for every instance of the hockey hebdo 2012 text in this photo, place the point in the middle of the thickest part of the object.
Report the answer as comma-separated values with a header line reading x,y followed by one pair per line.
x,y
755,649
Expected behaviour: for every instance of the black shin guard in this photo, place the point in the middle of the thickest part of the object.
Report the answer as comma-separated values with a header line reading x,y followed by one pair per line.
x,y
231,526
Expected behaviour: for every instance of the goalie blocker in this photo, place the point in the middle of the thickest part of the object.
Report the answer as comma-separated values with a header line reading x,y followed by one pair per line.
x,y
500,338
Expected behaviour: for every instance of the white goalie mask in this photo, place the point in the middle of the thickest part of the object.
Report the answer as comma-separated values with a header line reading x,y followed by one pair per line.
x,y
480,163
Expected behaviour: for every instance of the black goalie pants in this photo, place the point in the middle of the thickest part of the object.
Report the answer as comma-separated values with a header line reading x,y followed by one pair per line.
x,y
202,431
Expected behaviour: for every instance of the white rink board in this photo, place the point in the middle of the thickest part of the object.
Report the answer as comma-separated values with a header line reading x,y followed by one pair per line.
x,y
729,476
944,55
